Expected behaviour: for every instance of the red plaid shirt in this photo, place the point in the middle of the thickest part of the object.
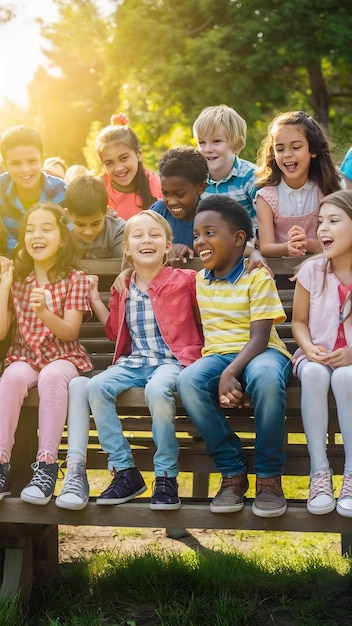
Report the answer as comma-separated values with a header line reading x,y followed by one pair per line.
x,y
32,341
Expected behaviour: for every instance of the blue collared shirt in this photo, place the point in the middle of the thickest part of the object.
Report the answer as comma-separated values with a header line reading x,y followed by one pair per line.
x,y
239,184
12,209
232,276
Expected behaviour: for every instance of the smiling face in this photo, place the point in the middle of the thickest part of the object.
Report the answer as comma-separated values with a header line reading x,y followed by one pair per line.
x,y
24,164
87,228
334,232
218,153
146,243
42,238
291,153
120,163
181,196
218,247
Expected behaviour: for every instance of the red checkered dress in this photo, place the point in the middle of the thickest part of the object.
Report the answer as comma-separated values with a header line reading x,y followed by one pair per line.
x,y
32,341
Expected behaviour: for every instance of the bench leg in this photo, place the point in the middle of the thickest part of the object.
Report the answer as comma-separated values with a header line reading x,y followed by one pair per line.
x,y
46,553
18,570
200,488
346,545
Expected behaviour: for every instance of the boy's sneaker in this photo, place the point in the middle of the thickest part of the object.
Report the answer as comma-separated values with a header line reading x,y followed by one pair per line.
x,y
75,491
269,500
321,493
40,489
125,485
344,502
165,494
4,483
229,498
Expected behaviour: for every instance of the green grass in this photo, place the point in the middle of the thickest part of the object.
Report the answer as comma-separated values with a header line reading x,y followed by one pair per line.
x,y
210,588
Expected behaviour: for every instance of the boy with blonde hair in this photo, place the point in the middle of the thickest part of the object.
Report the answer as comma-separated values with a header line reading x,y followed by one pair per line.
x,y
221,135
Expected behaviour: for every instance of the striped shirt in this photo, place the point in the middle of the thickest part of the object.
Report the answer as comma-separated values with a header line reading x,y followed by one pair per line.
x,y
148,346
227,308
239,184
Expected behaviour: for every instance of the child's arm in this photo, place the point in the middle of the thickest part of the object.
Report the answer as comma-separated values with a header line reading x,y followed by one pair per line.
x,y
98,306
229,386
266,233
256,259
65,328
300,326
6,278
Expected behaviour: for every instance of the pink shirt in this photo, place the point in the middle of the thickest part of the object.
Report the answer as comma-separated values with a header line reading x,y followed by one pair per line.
x,y
324,306
173,296
305,200
128,204
32,341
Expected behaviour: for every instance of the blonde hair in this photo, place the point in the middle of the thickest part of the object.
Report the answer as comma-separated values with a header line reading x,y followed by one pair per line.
x,y
159,219
212,118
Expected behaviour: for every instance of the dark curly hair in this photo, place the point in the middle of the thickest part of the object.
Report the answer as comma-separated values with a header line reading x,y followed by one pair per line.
x,y
186,162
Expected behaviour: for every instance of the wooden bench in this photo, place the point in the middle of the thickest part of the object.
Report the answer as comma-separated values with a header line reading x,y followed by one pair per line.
x,y
29,533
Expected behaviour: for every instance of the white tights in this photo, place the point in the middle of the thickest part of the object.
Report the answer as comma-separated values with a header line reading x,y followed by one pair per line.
x,y
316,380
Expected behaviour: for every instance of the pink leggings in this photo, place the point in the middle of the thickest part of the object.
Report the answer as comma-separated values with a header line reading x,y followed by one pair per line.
x,y
52,382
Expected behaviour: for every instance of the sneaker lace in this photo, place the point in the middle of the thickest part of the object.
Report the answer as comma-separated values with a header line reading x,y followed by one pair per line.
x,y
3,476
42,477
75,483
166,486
321,484
346,491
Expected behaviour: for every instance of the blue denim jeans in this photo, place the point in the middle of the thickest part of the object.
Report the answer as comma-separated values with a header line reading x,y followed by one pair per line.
x,y
264,380
160,383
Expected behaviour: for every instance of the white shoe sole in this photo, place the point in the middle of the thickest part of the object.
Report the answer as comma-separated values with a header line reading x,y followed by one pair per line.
x,y
267,512
71,506
329,508
227,509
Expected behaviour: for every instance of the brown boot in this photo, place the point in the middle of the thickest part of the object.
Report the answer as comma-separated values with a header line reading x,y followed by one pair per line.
x,y
229,498
270,500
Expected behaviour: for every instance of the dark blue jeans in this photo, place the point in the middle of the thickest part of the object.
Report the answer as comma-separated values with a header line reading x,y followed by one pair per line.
x,y
264,380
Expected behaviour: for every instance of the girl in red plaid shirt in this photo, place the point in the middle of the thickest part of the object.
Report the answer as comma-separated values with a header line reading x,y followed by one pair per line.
x,y
45,298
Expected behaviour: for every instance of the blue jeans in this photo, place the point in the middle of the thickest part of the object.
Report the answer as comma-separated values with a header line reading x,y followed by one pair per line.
x,y
264,380
160,383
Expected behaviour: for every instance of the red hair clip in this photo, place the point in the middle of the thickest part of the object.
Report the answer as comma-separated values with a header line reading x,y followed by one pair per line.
x,y
120,119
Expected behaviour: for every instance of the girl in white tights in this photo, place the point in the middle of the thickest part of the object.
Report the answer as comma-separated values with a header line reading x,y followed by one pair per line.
x,y
322,327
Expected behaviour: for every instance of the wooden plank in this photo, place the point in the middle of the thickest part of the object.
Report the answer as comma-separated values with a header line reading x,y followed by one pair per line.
x,y
192,514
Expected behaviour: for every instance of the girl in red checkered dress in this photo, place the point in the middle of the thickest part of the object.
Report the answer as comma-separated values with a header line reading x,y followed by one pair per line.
x,y
45,298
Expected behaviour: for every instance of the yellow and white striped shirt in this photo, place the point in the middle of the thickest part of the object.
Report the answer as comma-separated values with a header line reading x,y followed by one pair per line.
x,y
227,310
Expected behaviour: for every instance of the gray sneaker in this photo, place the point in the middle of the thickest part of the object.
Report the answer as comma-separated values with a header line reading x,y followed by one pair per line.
x,y
229,498
4,483
270,500
75,491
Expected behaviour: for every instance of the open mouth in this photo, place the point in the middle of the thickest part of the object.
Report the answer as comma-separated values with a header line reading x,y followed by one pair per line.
x,y
205,254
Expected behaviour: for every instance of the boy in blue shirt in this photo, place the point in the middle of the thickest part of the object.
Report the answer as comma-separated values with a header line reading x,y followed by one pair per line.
x,y
221,135
242,353
24,183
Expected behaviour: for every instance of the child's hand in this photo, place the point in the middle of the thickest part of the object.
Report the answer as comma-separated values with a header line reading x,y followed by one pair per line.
x,y
340,357
256,259
297,241
180,252
37,300
318,354
230,390
6,273
94,287
119,283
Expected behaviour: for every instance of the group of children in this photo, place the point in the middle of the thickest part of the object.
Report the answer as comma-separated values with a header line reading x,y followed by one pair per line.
x,y
208,336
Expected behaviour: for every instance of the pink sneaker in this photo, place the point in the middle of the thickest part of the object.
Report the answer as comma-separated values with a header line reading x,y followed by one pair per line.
x,y
321,495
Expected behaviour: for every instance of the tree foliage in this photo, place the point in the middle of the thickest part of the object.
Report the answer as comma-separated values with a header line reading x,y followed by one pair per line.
x,y
162,61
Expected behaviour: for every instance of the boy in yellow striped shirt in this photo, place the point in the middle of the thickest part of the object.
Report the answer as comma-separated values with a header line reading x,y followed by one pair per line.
x,y
243,356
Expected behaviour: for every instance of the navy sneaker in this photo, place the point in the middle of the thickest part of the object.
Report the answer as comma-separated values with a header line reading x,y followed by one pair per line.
x,y
125,485
165,494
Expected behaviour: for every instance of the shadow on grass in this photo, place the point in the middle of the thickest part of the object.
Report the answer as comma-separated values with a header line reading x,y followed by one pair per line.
x,y
209,588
